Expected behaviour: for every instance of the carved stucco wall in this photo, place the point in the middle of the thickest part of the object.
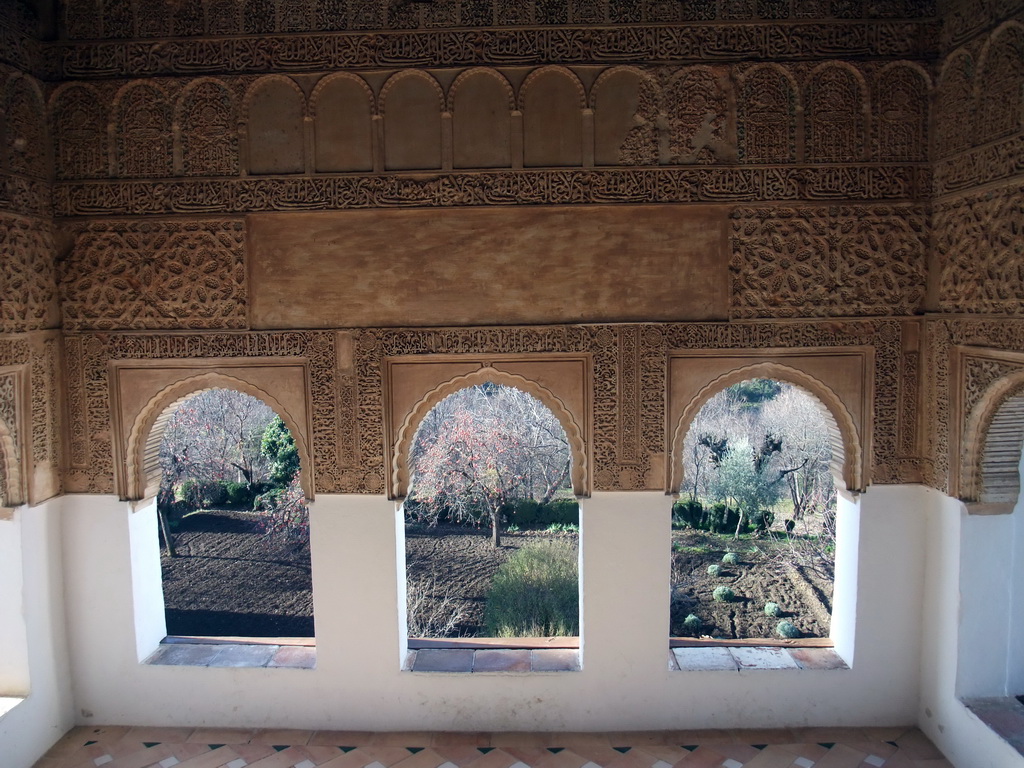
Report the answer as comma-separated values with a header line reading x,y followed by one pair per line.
x,y
808,133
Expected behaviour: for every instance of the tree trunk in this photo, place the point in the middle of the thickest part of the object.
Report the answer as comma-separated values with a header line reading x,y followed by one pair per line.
x,y
162,518
495,528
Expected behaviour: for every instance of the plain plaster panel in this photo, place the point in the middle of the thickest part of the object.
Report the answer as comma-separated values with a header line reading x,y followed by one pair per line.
x,y
962,737
28,730
625,683
488,266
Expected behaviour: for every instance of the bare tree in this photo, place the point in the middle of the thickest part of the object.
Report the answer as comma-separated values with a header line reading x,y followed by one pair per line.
x,y
482,448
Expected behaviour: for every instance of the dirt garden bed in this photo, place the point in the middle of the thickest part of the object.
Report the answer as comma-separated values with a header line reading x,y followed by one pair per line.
x,y
228,580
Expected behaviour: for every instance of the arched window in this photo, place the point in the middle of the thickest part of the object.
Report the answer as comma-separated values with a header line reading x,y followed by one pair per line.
x,y
754,529
491,519
233,522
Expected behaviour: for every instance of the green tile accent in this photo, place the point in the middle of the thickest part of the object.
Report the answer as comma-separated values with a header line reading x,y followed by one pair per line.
x,y
279,747
414,750
623,750
150,744
555,750
347,749
829,744
690,747
485,750
215,746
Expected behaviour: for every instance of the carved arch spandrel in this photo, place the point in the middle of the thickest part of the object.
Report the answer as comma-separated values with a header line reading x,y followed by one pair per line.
x,y
848,454
993,439
407,431
142,463
999,82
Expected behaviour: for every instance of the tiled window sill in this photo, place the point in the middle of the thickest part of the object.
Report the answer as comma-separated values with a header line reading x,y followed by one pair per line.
x,y
483,660
233,654
735,659
1004,715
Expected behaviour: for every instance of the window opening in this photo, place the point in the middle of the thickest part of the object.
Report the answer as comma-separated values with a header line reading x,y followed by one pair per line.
x,y
491,521
753,531
233,524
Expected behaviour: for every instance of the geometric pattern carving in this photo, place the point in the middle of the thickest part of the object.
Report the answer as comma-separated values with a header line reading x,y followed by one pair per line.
x,y
25,149
153,274
1000,83
806,262
84,20
348,440
208,125
954,112
980,243
28,286
11,493
464,47
901,114
143,132
80,133
535,186
835,115
767,120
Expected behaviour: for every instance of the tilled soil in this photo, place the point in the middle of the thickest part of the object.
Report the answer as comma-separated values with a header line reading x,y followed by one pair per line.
x,y
229,579
804,593
455,565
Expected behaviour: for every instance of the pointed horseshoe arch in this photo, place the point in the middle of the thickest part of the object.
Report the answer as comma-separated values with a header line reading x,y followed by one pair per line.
x,y
142,455
847,456
11,487
992,444
407,432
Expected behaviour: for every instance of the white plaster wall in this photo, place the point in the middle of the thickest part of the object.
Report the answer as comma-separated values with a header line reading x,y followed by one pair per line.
x,y
952,541
625,682
32,630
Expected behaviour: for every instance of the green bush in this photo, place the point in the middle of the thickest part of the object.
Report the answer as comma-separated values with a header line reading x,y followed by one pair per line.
x,y
535,593
688,514
772,609
787,629
723,595
730,558
715,570
528,513
693,624
238,494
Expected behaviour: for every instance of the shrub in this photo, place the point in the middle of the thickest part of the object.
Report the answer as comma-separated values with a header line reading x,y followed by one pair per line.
x,y
772,609
529,513
284,516
693,624
723,595
687,514
563,528
238,494
432,609
730,558
535,593
715,570
787,629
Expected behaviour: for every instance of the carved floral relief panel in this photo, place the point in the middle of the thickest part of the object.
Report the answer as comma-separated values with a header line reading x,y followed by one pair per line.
x,y
979,241
28,286
155,274
817,261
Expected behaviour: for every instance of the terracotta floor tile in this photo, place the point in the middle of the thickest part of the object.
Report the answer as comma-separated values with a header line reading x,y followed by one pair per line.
x,y
582,738
529,755
517,739
286,758
765,736
810,751
425,758
401,739
817,658
496,758
841,756
210,759
144,756
158,734
915,744
221,735
183,655
340,738
318,755
253,753
386,755
354,759
702,757
289,736
668,753
771,757
562,758
555,660
458,754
